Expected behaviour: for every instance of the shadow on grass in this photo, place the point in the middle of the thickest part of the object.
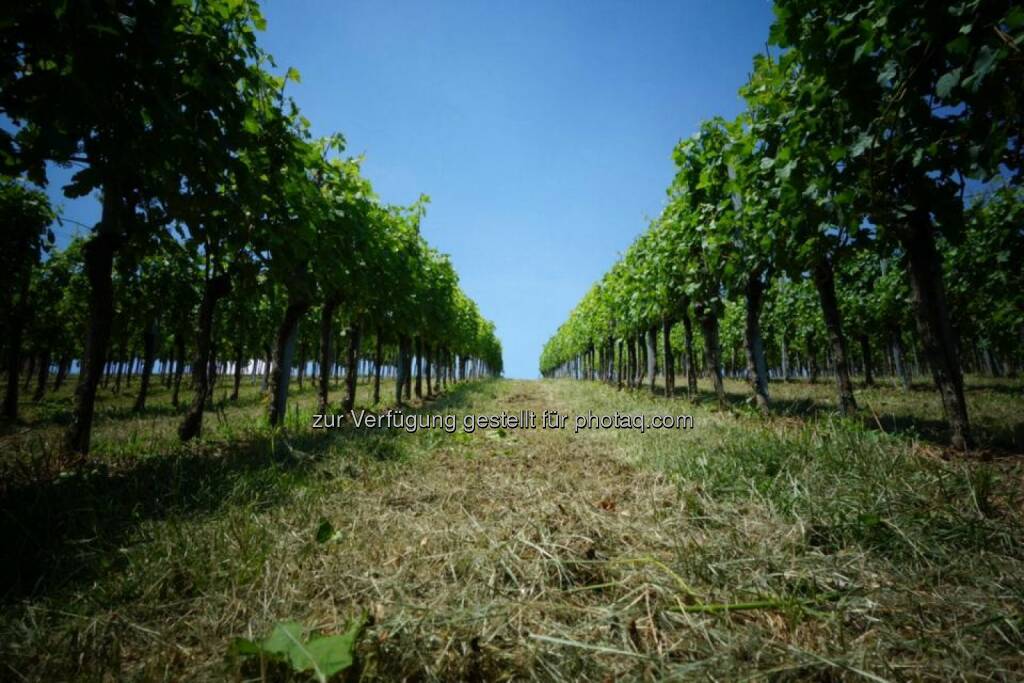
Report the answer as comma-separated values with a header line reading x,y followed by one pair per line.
x,y
794,407
1004,389
63,533
1000,440
58,411
1006,440
909,426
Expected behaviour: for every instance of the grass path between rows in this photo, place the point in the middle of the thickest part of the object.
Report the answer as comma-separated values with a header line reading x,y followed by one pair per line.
x,y
518,539
742,548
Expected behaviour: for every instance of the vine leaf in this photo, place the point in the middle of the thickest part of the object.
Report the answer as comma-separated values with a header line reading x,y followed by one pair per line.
x,y
323,656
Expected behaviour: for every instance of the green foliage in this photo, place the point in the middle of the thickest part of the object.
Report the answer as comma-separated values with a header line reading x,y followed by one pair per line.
x,y
873,117
221,210
985,272
321,655
26,234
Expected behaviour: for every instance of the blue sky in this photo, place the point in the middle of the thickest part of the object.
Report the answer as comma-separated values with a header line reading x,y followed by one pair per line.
x,y
542,131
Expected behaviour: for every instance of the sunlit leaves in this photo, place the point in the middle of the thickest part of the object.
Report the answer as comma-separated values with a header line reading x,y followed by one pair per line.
x,y
322,656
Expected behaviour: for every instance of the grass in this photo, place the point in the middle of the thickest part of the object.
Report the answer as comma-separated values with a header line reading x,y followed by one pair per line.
x,y
796,547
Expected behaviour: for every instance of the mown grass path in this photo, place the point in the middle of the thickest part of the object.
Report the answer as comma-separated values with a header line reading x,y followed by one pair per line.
x,y
499,542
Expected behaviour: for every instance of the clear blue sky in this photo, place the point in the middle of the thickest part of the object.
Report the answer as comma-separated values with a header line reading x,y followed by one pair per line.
x,y
541,130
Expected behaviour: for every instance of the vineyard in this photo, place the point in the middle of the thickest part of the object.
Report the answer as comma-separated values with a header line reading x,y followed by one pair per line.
x,y
254,427
835,208
224,225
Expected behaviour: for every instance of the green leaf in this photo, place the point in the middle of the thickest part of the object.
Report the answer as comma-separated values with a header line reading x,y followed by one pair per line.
x,y
786,171
986,59
331,654
888,72
324,532
862,49
860,146
323,656
946,84
282,639
836,153
959,45
244,647
1015,17
250,124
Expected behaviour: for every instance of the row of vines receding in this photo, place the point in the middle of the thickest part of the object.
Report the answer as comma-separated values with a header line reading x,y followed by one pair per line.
x,y
231,239
864,211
